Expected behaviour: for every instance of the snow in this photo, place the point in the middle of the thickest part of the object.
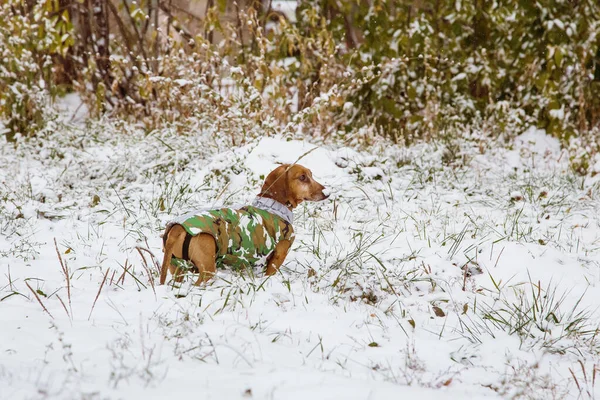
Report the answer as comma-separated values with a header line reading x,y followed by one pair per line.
x,y
459,77
286,7
387,292
183,82
558,113
73,107
535,146
537,141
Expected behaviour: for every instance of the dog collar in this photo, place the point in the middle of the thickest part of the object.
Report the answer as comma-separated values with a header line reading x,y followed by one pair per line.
x,y
274,207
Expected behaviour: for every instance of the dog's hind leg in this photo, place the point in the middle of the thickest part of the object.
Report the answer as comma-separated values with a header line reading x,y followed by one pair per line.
x,y
175,235
203,253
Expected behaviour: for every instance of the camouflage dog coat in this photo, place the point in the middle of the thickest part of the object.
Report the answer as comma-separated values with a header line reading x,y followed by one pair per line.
x,y
244,236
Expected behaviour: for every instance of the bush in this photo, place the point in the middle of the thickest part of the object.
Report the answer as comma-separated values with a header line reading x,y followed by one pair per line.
x,y
403,69
31,34
453,62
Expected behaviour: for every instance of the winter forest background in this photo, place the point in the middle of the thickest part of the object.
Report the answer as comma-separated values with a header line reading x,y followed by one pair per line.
x,y
457,257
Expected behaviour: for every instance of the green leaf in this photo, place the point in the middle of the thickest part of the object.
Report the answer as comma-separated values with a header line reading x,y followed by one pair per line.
x,y
558,56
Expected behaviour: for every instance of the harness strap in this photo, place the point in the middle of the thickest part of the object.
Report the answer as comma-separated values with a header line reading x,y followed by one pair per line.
x,y
186,247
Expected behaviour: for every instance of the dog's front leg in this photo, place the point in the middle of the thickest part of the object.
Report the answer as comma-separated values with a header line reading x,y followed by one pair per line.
x,y
278,256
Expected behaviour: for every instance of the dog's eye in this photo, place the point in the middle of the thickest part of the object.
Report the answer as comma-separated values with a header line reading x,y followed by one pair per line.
x,y
302,178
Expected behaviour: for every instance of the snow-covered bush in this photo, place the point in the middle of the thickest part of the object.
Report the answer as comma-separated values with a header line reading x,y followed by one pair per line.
x,y
253,83
436,65
401,69
31,34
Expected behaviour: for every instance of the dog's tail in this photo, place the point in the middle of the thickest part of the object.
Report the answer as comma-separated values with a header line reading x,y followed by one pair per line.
x,y
165,265
168,250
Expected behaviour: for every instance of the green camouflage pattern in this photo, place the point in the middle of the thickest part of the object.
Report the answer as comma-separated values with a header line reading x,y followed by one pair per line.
x,y
245,237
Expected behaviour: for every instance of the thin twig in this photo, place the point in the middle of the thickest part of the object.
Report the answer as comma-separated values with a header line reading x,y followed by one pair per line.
x,y
98,294
222,191
10,281
156,261
127,39
64,306
575,379
182,30
141,44
156,39
187,12
135,278
240,32
150,278
38,299
65,270
122,277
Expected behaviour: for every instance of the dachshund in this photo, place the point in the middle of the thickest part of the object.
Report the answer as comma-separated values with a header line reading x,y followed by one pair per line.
x,y
258,234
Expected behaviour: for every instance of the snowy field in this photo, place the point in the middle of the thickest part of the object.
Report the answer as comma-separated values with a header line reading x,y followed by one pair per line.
x,y
461,271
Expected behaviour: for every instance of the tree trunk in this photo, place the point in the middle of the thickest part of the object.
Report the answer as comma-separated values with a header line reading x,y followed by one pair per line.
x,y
102,44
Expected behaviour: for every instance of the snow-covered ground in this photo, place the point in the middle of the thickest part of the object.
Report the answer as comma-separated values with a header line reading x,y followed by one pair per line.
x,y
464,270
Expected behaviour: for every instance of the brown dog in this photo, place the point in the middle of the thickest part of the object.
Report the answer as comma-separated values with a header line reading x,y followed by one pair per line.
x,y
242,237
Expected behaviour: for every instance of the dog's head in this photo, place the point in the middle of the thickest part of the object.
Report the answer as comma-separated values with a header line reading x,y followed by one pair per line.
x,y
291,185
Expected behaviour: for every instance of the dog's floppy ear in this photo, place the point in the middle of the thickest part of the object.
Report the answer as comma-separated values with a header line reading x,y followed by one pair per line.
x,y
276,185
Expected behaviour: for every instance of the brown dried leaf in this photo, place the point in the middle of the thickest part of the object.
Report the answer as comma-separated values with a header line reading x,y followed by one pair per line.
x,y
438,312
